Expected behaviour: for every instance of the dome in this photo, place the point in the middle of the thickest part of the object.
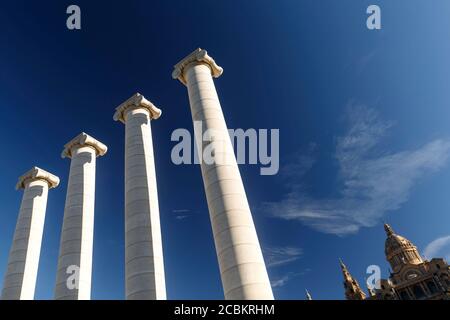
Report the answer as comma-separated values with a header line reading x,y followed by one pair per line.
x,y
399,250
395,242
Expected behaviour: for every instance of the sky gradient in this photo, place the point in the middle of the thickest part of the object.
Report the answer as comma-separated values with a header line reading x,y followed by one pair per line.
x,y
363,118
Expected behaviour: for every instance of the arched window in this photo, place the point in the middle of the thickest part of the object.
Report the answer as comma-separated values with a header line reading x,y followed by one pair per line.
x,y
404,295
432,286
418,292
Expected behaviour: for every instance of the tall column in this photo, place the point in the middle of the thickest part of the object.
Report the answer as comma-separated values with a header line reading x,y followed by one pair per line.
x,y
144,265
73,279
21,273
241,263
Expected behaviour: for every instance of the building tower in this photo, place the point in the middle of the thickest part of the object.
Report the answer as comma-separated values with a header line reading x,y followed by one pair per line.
x,y
411,278
399,250
241,263
352,289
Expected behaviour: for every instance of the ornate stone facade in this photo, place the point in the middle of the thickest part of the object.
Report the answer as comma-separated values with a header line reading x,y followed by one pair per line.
x,y
352,289
412,277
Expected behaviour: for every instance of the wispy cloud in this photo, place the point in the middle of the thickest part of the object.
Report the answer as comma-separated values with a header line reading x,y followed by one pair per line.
x,y
358,64
279,282
438,248
180,210
299,163
283,280
181,214
364,61
372,181
278,256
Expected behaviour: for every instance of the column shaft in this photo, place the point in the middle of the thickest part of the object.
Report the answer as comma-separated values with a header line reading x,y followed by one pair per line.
x,y
144,266
20,277
75,255
242,267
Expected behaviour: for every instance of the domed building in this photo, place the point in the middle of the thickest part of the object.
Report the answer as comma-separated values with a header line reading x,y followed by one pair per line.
x,y
411,278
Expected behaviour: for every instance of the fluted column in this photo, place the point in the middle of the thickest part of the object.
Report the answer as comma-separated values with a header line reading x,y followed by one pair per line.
x,y
144,265
73,280
21,273
242,267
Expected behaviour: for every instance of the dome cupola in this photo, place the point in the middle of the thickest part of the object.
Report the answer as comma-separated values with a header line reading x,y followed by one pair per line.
x,y
399,250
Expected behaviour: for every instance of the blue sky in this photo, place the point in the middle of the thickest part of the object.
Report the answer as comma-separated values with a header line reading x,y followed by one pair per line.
x,y
363,118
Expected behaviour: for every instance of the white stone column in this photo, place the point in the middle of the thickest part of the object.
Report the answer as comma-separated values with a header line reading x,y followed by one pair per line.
x,y
144,264
241,263
73,279
21,273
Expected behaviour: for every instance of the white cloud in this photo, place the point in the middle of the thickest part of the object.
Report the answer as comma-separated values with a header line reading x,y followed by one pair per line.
x,y
438,248
279,282
299,163
278,256
372,181
181,214
283,280
358,64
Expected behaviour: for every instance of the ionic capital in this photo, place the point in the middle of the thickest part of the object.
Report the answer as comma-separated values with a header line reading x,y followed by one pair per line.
x,y
198,56
82,140
135,102
37,174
